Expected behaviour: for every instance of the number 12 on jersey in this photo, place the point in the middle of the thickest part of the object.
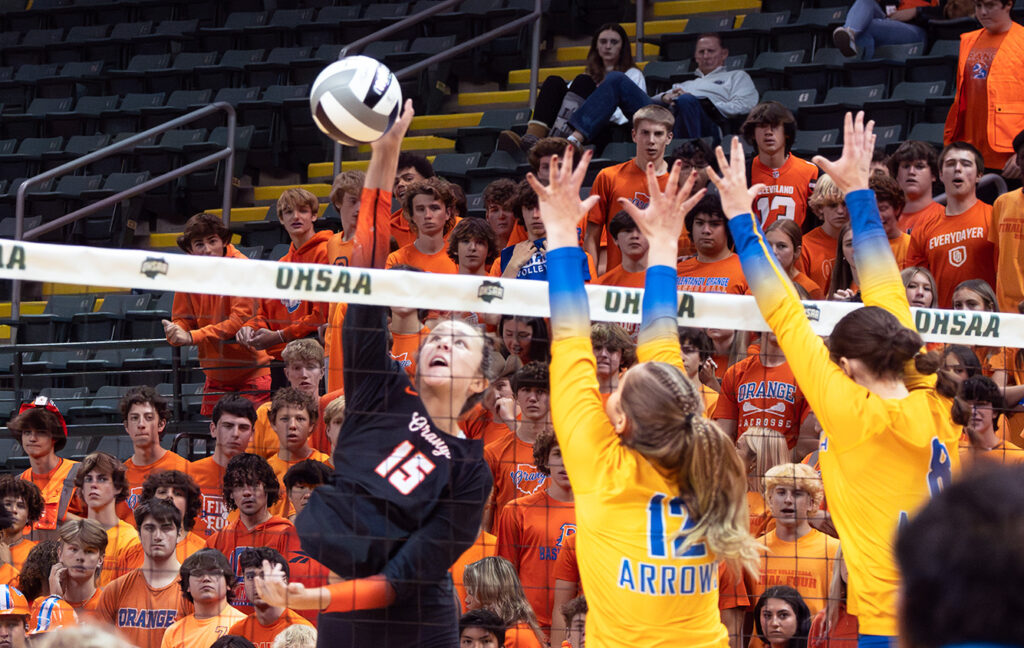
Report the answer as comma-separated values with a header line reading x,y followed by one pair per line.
x,y
405,474
773,208
667,525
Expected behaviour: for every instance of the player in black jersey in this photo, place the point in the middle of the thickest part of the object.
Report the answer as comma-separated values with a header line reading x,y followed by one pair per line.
x,y
408,490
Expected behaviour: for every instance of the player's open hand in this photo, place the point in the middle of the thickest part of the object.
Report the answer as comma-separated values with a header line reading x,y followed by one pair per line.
x,y
275,589
662,220
560,206
392,139
737,197
853,168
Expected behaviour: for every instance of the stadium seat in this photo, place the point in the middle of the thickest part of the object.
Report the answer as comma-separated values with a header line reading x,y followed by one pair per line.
x,y
327,27
822,72
103,407
33,47
475,207
619,151
253,252
768,69
73,45
887,67
178,103
809,143
939,65
28,159
499,165
279,31
278,251
19,90
132,79
376,16
83,119
455,167
116,49
661,75
107,323
276,69
674,47
926,132
907,104
28,124
267,116
119,446
108,228
483,136
266,233
65,196
53,324
77,446
75,78
232,33
169,36
838,101
792,99
810,31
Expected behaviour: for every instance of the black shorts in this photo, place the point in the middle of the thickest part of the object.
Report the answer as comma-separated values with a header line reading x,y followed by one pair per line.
x,y
426,618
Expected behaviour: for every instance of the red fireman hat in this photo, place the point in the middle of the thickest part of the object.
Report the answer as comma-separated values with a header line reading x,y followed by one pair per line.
x,y
49,406
13,602
52,613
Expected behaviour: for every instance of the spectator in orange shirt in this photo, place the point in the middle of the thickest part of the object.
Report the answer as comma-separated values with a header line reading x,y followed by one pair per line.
x,y
333,417
652,131
532,529
429,206
788,180
205,579
987,443
716,268
1007,234
920,285
14,615
24,503
34,579
181,491
102,485
632,246
40,429
266,621
492,584
211,322
473,248
787,242
614,352
499,204
915,166
251,487
818,253
575,614
834,626
798,555
80,559
279,321
293,414
304,371
231,429
890,202
510,458
144,602
412,168
300,481
956,246
144,413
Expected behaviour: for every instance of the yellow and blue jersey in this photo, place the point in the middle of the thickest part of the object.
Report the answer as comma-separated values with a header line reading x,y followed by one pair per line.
x,y
628,512
881,459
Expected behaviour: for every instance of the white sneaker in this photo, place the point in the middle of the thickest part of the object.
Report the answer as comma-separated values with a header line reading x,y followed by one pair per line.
x,y
843,37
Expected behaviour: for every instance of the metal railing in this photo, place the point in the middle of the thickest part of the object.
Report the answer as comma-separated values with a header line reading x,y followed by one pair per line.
x,y
406,72
227,154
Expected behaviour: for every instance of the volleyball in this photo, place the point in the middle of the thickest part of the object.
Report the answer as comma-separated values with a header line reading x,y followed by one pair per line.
x,y
355,100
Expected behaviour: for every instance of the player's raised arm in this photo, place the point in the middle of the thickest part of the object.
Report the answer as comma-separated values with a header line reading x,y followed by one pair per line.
x,y
373,231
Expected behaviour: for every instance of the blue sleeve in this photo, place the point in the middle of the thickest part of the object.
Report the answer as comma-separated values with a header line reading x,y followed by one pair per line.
x,y
570,310
660,303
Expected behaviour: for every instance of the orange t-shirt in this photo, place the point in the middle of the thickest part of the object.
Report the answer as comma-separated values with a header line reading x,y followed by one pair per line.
x,y
1007,235
521,636
485,545
262,636
805,565
400,230
339,252
132,558
725,276
511,462
190,632
618,276
283,506
52,493
264,440
120,539
213,514
9,575
908,220
404,347
19,552
140,612
732,589
975,95
954,249
479,423
531,530
810,285
759,396
818,256
410,255
625,180
900,246
786,189
137,474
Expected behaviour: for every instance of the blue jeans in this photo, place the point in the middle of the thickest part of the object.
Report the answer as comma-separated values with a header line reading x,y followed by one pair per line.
x,y
618,91
873,29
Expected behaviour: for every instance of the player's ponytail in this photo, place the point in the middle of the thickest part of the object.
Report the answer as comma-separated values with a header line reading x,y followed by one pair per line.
x,y
666,425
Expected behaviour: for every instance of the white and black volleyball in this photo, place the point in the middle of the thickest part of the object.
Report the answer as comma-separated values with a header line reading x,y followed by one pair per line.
x,y
355,100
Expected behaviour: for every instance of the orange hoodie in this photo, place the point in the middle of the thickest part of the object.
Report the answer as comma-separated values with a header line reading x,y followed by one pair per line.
x,y
213,321
294,318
